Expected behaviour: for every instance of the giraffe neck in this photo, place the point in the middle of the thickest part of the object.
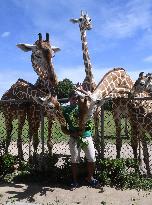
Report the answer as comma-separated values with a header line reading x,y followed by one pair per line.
x,y
113,80
47,77
88,83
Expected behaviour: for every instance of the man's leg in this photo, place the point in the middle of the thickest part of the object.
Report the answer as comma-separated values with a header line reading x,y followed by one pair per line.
x,y
75,172
90,155
75,157
91,170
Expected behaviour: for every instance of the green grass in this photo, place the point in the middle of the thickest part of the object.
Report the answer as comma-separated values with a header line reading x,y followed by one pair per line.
x,y
58,136
57,133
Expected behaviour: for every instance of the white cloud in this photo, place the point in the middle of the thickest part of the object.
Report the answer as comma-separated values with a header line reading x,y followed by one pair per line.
x,y
77,74
148,59
121,21
5,34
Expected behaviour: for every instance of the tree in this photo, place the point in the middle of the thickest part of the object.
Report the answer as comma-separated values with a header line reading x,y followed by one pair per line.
x,y
64,88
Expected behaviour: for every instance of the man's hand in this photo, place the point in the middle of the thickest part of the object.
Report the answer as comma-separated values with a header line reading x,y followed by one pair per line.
x,y
75,134
65,130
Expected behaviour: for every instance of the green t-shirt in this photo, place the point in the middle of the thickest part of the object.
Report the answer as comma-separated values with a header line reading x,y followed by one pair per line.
x,y
71,114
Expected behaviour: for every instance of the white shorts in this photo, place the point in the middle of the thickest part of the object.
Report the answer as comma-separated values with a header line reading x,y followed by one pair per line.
x,y
75,151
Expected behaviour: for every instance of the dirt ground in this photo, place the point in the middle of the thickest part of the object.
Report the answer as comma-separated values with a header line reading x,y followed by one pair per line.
x,y
50,195
40,193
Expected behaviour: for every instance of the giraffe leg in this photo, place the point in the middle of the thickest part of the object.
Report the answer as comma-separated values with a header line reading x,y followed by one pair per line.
x,y
96,123
29,119
21,121
33,115
126,127
49,141
36,125
9,128
134,138
35,140
145,153
30,137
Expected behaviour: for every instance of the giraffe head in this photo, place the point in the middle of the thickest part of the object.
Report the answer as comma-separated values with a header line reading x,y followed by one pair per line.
x,y
42,54
53,106
84,21
143,83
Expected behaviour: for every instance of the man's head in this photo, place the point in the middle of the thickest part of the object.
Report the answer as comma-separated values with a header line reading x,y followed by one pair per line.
x,y
73,97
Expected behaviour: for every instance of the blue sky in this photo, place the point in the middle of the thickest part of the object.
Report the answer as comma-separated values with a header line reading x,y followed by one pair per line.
x,y
121,37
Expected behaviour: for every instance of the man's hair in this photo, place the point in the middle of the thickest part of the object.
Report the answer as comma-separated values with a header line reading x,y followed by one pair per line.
x,y
72,94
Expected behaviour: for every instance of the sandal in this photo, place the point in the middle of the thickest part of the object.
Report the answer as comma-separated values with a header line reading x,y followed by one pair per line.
x,y
73,186
93,183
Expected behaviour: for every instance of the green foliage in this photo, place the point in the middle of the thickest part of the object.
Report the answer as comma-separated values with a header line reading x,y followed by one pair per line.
x,y
121,173
64,88
7,162
108,105
81,142
103,203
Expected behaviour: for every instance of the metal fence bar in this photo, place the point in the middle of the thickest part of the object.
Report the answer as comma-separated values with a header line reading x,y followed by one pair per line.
x,y
42,128
65,100
62,100
102,133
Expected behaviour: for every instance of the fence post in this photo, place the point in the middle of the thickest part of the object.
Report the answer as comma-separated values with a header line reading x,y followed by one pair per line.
x,y
42,128
102,133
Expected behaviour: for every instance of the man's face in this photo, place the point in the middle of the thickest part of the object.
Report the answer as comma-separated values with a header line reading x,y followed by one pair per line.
x,y
73,100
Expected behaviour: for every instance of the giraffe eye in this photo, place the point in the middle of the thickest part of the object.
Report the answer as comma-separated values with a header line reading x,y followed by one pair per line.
x,y
90,20
80,19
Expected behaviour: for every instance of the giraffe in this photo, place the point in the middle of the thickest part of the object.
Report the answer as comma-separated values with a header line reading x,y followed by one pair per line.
x,y
119,108
41,58
48,82
88,84
85,24
141,111
116,79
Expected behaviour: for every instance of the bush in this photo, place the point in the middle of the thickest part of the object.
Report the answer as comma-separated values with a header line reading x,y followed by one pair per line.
x,y
7,162
122,173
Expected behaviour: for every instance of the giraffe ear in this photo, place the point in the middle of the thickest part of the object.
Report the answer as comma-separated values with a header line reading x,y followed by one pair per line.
x,y
26,47
55,49
74,20
141,74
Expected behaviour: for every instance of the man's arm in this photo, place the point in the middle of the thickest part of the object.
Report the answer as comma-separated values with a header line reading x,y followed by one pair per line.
x,y
66,131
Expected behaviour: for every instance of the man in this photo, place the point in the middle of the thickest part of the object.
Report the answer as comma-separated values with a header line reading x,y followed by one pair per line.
x,y
71,114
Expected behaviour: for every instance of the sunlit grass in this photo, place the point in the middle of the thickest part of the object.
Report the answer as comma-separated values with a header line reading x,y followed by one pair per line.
x,y
58,135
